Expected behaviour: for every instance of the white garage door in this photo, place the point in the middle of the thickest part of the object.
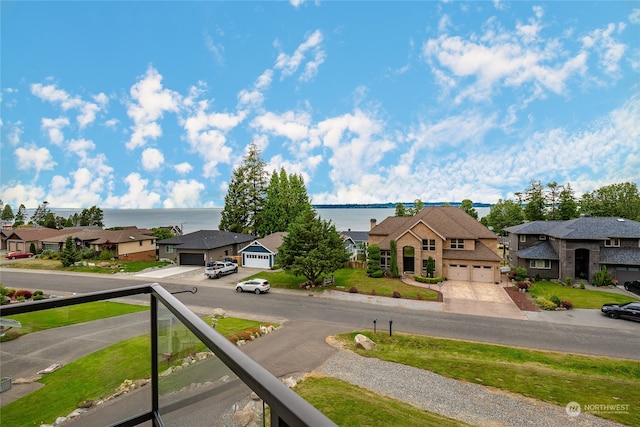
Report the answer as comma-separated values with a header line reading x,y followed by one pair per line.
x,y
256,261
482,273
458,272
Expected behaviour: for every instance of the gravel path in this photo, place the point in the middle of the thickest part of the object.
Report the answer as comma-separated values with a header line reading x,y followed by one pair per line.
x,y
471,403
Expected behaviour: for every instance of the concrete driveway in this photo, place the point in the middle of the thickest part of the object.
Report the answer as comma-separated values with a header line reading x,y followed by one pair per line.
x,y
482,299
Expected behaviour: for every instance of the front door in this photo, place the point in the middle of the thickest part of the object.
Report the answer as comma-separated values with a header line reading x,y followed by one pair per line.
x,y
408,259
582,264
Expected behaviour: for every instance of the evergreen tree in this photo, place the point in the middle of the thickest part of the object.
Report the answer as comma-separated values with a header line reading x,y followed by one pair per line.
x,y
7,213
92,216
373,261
393,268
312,248
534,210
20,216
40,213
567,204
467,206
552,200
246,195
69,254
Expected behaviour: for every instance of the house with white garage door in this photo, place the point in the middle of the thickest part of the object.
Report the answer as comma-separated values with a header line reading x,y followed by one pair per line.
x,y
202,246
462,248
262,253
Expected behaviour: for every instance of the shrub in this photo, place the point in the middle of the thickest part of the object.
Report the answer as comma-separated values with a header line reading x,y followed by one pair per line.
x,y
353,290
377,274
545,304
538,277
11,293
49,254
518,274
24,293
396,294
431,280
37,293
4,300
38,297
524,284
581,284
556,301
88,253
568,281
105,255
566,304
602,278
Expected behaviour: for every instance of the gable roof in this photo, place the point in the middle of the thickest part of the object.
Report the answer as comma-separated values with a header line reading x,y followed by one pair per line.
x,y
357,236
449,222
100,237
586,227
271,242
542,250
31,234
207,239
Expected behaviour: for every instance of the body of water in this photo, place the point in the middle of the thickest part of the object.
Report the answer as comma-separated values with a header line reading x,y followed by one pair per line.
x,y
190,220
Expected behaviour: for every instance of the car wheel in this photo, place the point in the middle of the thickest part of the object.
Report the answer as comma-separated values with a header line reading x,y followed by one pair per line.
x,y
238,289
236,270
613,315
626,287
257,291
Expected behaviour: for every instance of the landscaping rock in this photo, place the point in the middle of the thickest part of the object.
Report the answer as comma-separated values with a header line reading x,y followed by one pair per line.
x,y
218,313
364,342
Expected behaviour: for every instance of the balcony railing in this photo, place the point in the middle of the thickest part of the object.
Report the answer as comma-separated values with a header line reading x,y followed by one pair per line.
x,y
203,389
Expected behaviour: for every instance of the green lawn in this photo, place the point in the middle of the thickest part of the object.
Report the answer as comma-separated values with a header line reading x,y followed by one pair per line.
x,y
347,278
557,378
64,316
349,405
581,298
96,375
114,266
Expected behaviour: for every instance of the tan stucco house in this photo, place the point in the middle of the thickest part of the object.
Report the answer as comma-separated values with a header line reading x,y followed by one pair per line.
x,y
462,248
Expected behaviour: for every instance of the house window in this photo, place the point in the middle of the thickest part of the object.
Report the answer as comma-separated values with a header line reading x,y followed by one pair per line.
x,y
428,244
523,238
457,243
612,243
540,263
385,259
169,249
140,243
542,237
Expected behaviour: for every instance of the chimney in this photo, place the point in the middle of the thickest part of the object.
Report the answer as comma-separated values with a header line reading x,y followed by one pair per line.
x,y
373,222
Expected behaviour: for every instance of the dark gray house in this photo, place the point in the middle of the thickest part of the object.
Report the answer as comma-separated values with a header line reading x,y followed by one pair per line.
x,y
202,246
577,248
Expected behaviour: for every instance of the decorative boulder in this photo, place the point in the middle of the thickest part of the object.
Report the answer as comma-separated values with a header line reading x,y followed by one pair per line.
x,y
218,313
364,342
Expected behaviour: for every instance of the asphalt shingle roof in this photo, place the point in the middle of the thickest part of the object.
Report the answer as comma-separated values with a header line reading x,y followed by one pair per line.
x,y
542,250
583,228
621,256
208,239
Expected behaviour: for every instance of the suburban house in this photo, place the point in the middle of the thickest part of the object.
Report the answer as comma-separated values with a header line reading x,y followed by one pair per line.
x,y
262,253
127,244
356,243
462,248
202,246
577,248
20,239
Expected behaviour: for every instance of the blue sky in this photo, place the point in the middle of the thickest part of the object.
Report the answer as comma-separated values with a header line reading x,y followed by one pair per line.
x,y
152,104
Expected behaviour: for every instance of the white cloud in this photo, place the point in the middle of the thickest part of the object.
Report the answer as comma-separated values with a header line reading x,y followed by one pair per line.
x,y
289,64
14,134
87,110
634,17
255,97
38,159
183,194
609,51
296,3
137,196
80,190
216,49
183,168
292,125
16,194
53,127
152,159
150,102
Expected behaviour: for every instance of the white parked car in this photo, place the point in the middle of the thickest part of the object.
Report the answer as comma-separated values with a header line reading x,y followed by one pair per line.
x,y
259,286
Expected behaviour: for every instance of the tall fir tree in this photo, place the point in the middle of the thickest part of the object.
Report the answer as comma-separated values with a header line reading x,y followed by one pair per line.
x,y
21,216
246,195
567,204
534,210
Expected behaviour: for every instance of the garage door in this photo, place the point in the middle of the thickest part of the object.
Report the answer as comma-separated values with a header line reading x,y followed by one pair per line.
x,y
627,274
458,272
256,260
482,273
192,259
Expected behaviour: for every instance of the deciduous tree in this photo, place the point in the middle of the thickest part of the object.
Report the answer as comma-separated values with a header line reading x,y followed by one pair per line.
x,y
467,206
621,200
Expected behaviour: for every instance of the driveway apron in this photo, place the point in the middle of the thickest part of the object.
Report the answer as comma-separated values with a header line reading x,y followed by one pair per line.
x,y
482,299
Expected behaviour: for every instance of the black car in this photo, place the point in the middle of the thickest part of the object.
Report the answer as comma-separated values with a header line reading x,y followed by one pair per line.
x,y
630,310
633,286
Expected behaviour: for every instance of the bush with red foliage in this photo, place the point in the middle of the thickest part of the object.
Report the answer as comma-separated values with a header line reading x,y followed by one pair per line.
x,y
27,294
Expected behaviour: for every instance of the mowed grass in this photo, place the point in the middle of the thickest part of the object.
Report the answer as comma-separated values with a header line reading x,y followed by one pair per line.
x,y
346,278
65,316
349,405
112,268
95,376
556,378
581,298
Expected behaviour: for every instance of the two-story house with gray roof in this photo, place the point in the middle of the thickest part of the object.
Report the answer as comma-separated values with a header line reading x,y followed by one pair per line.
x,y
202,246
577,248
462,248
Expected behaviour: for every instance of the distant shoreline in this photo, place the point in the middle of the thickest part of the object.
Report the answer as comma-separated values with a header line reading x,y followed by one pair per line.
x,y
393,205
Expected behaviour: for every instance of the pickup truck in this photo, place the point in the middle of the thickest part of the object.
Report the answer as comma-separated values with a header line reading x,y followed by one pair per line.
x,y
215,270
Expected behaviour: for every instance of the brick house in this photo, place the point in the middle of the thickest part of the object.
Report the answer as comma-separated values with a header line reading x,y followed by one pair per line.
x,y
462,248
577,248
